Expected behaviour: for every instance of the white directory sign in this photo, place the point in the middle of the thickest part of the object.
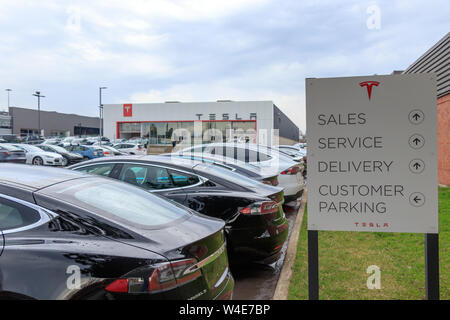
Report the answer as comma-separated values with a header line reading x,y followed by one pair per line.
x,y
372,153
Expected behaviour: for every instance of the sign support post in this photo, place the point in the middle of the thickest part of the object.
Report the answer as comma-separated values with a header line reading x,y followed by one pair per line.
x,y
432,265
313,264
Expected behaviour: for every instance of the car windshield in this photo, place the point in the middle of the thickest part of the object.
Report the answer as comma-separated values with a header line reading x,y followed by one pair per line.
x,y
220,159
9,147
29,147
58,149
122,202
226,174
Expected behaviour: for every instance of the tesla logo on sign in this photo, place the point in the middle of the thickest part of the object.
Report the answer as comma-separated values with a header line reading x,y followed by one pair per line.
x,y
127,110
369,85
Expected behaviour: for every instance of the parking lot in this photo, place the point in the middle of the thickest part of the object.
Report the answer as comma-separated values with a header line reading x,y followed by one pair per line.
x,y
116,191
258,281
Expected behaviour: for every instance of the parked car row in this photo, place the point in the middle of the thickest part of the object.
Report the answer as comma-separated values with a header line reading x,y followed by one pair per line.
x,y
54,155
141,226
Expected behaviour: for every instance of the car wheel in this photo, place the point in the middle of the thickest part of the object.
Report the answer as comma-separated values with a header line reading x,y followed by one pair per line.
x,y
38,161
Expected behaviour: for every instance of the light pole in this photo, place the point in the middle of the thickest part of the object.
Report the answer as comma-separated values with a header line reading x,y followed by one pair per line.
x,y
39,96
8,90
101,111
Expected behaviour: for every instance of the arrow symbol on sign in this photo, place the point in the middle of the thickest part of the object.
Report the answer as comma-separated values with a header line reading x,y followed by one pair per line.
x,y
416,199
416,165
416,141
416,116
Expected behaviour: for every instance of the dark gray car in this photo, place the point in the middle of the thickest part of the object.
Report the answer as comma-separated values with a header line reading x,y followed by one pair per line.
x,y
10,153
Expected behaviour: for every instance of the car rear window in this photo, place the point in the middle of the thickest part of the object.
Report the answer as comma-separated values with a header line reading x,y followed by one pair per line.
x,y
120,202
9,147
227,174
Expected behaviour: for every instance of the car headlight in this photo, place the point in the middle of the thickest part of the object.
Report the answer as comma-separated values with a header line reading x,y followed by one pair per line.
x,y
49,157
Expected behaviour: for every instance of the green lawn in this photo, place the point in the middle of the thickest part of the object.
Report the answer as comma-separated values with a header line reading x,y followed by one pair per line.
x,y
345,256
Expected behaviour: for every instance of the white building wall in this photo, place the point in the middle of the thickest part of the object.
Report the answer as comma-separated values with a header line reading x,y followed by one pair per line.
x,y
184,111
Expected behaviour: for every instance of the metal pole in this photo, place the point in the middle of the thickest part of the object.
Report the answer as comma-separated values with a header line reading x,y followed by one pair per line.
x,y
313,264
100,111
39,96
432,266
8,90
39,115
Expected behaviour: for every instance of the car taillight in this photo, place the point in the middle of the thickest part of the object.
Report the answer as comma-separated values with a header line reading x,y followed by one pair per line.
x,y
164,277
291,170
258,208
271,181
5,152
277,197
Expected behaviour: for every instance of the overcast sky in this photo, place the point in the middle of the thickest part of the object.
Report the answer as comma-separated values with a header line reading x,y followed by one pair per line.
x,y
203,50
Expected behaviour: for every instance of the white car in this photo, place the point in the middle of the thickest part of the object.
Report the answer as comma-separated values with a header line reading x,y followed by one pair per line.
x,y
131,148
39,157
269,160
109,151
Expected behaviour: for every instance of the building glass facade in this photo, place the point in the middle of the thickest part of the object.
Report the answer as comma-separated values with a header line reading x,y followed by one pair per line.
x,y
164,132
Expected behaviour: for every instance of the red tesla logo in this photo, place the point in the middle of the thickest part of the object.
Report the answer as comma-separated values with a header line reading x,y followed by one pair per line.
x,y
369,85
127,110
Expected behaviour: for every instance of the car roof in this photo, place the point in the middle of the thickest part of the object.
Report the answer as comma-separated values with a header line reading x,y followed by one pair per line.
x,y
156,159
36,177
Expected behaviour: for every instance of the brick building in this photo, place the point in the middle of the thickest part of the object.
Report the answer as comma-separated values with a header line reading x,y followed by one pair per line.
x,y
437,60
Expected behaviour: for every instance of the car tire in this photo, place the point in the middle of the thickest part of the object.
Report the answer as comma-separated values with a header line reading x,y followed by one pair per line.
x,y
37,161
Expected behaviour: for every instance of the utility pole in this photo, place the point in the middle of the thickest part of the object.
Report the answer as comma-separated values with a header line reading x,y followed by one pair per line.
x,y
101,111
8,90
39,96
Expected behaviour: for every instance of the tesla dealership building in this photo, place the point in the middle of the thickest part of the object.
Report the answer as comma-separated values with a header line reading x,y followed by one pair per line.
x,y
159,122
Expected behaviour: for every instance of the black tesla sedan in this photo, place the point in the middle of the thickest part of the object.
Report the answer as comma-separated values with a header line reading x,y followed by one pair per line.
x,y
68,235
256,226
68,157
241,167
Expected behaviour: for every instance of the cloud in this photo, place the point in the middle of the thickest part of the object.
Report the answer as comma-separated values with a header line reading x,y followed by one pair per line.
x,y
200,50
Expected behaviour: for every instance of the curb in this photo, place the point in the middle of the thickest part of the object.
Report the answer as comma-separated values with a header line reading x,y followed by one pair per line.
x,y
282,288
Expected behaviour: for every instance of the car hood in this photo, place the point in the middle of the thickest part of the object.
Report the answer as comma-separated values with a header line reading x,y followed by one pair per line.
x,y
50,154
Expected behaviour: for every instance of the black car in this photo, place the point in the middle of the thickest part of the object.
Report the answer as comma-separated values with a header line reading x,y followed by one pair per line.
x,y
33,140
67,235
256,225
9,153
240,167
68,157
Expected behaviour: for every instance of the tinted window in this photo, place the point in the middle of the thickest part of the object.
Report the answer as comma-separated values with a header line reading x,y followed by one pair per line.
x,y
57,149
99,169
45,148
120,202
148,177
182,179
14,215
226,174
263,157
